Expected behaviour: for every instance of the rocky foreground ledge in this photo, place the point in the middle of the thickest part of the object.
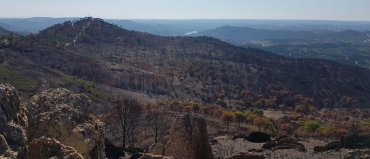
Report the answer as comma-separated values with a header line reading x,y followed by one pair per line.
x,y
56,124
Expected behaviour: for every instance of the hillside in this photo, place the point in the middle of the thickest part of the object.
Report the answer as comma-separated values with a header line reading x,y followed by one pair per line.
x,y
201,69
4,32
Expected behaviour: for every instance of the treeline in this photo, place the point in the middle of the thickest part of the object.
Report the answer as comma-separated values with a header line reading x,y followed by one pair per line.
x,y
136,124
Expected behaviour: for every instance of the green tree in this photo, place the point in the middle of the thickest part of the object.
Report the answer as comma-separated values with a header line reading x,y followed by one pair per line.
x,y
240,117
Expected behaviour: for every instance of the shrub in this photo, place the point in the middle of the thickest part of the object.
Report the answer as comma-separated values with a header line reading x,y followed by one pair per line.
x,y
311,126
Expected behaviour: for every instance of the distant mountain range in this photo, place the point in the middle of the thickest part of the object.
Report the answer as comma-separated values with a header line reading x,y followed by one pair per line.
x,y
181,27
245,33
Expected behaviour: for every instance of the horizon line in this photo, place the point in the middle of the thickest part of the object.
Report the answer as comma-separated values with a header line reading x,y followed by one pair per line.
x,y
191,19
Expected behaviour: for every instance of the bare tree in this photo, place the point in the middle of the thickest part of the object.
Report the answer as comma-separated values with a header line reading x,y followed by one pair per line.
x,y
158,123
123,120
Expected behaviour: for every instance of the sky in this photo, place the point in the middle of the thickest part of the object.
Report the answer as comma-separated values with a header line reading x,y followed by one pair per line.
x,y
346,10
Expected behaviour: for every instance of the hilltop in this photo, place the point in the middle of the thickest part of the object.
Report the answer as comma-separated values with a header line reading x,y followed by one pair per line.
x,y
102,60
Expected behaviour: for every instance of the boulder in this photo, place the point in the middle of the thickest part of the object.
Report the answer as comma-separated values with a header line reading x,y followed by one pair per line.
x,y
64,115
111,151
156,149
245,155
356,142
43,147
10,108
189,138
258,137
319,148
13,119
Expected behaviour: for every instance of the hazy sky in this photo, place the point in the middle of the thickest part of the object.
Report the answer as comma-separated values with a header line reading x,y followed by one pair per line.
x,y
353,10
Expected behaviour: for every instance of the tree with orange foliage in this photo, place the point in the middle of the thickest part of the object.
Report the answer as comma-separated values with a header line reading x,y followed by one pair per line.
x,y
259,122
288,128
227,117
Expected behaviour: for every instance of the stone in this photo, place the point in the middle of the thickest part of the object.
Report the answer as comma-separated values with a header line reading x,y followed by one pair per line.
x,y
64,115
10,108
245,155
319,148
13,119
189,138
43,147
111,151
156,149
258,137
356,141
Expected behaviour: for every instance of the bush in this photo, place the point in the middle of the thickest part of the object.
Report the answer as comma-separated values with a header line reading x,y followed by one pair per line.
x,y
311,126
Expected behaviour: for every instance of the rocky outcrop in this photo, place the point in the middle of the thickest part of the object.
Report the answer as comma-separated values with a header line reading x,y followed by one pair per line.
x,y
245,155
285,143
13,120
63,115
189,138
156,149
43,147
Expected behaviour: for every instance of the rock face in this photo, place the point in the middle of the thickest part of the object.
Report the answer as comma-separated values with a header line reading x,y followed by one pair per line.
x,y
50,148
189,138
245,155
13,119
63,115
156,149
